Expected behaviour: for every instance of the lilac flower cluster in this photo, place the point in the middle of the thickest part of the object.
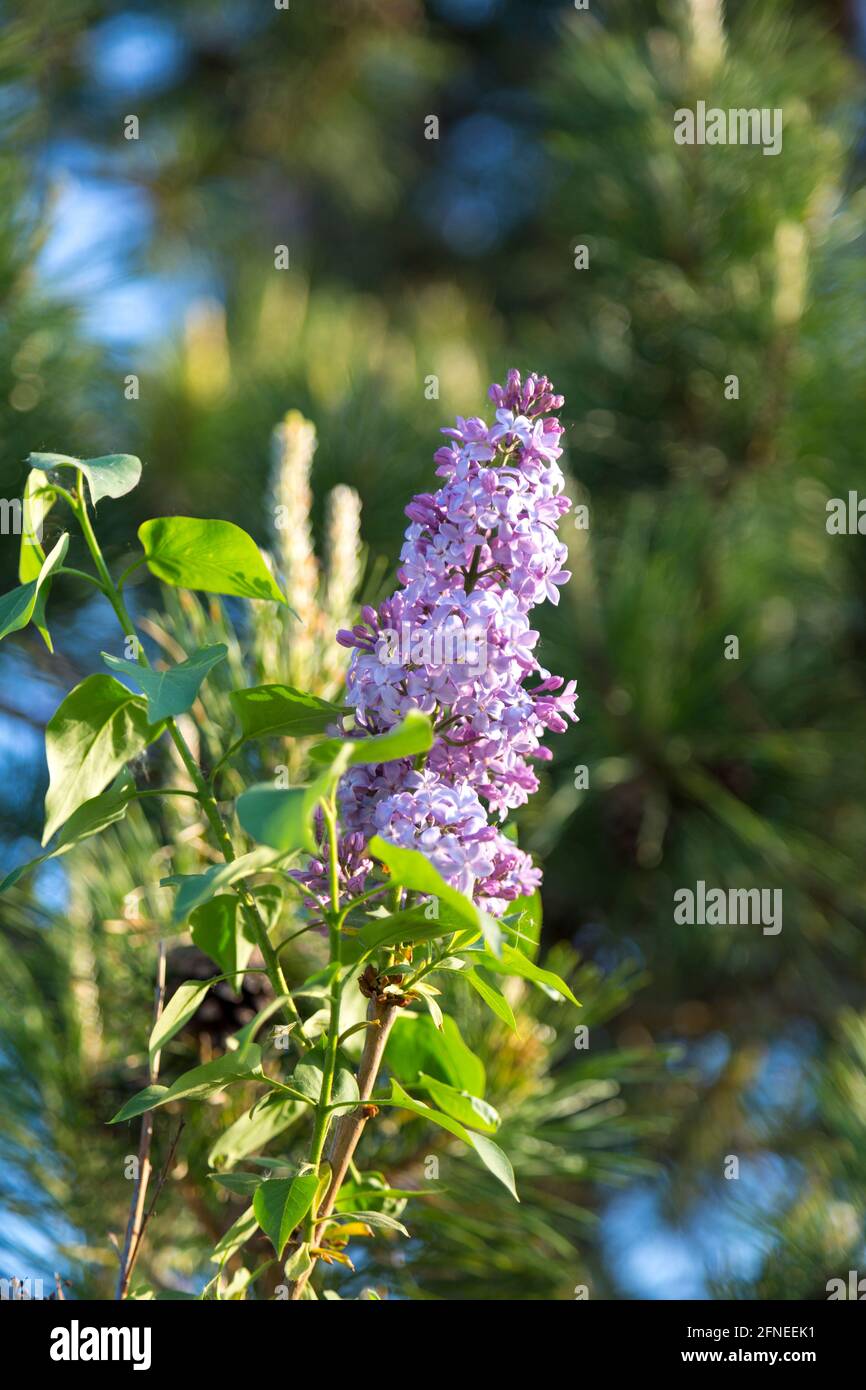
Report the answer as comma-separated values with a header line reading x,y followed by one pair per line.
x,y
478,555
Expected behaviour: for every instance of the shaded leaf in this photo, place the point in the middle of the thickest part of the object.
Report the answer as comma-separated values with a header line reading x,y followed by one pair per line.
x,y
416,1045
98,728
254,1129
19,605
194,889
174,691
218,928
111,475
91,818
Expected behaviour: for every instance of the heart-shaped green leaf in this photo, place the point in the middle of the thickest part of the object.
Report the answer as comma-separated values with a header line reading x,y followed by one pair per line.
x,y
215,556
417,1046
174,691
218,928
281,817
112,475
98,728
280,1204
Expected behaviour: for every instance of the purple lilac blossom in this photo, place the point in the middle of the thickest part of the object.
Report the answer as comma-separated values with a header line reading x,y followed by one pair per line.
x,y
478,555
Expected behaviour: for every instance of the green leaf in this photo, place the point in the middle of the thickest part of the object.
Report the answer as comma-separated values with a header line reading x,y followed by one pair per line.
x,y
298,1262
241,1184
39,497
416,926
351,1194
489,1153
177,1012
236,1236
264,710
251,1030
280,1204
416,1045
218,929
244,1065
112,475
18,606
308,1076
98,728
215,556
254,1129
461,1105
372,1218
413,735
412,869
173,691
194,889
525,921
281,817
514,962
492,997
91,818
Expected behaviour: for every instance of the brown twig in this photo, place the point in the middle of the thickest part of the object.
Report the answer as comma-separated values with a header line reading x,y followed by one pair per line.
x,y
134,1225
160,1183
348,1129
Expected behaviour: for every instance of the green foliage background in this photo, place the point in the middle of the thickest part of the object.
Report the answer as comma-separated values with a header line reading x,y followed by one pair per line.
x,y
707,518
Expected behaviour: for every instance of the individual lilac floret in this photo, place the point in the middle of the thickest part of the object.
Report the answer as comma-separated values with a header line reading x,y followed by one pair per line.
x,y
455,642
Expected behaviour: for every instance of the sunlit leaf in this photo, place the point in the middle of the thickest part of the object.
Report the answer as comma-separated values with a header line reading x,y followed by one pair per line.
x,y
215,556
280,1204
489,1153
198,1083
265,710
411,869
